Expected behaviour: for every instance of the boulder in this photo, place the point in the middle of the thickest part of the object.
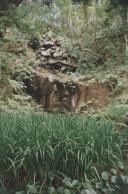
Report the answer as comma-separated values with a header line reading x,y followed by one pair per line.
x,y
45,53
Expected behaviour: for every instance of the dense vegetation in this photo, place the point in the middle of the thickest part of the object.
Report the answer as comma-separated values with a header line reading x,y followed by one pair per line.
x,y
41,150
57,153
95,37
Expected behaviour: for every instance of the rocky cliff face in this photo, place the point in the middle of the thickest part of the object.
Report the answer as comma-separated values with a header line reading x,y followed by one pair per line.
x,y
56,88
53,58
63,93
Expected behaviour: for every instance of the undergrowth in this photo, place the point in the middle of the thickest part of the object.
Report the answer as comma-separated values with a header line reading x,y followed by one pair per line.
x,y
43,148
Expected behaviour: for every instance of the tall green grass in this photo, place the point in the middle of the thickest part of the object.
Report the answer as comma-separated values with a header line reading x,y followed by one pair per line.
x,y
44,147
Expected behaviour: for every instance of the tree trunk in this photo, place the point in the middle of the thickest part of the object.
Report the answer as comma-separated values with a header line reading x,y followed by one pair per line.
x,y
124,17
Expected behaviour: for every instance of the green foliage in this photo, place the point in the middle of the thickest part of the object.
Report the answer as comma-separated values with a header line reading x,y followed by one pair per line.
x,y
93,37
116,112
45,147
119,2
85,2
38,150
4,4
89,34
17,61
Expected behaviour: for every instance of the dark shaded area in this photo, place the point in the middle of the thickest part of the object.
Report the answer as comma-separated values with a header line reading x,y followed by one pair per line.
x,y
46,2
5,3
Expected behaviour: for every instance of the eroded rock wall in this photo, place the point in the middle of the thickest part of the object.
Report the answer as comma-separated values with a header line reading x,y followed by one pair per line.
x,y
61,93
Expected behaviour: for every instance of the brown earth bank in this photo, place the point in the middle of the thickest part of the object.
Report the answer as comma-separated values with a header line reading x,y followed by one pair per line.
x,y
66,93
